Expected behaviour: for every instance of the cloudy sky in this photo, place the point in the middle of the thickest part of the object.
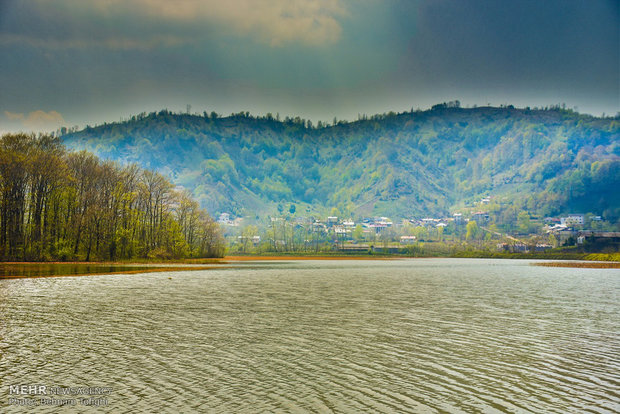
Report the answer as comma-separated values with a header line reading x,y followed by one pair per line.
x,y
77,62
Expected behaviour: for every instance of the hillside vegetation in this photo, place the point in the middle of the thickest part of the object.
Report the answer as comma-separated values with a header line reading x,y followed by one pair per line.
x,y
416,163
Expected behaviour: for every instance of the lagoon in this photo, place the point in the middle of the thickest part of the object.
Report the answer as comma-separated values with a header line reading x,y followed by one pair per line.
x,y
419,335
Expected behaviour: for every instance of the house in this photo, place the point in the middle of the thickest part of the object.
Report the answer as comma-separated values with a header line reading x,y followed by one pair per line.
x,y
378,227
252,239
224,218
572,219
514,248
555,228
318,227
458,218
553,220
407,239
480,217
564,234
429,222
541,247
348,223
332,220
607,238
520,248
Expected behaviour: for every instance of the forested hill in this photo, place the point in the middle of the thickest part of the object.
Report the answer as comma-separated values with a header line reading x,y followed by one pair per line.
x,y
432,162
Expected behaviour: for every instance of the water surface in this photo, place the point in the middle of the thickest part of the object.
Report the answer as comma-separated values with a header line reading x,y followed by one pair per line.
x,y
12,270
423,335
41,269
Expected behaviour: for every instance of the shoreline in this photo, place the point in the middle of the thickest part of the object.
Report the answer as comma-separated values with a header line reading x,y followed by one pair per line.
x,y
302,257
45,269
554,256
149,269
219,260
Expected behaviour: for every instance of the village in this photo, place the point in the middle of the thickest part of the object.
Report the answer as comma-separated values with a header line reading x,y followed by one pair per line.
x,y
471,228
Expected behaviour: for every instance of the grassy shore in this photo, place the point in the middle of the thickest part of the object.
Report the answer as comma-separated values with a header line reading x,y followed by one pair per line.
x,y
480,254
310,257
49,269
597,257
585,265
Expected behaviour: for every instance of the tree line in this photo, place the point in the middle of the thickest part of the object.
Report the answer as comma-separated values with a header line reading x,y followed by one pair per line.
x,y
57,204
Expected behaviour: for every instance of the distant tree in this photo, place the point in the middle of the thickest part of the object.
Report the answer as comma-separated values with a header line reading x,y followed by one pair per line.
x,y
247,234
420,232
553,240
473,231
439,233
523,222
358,233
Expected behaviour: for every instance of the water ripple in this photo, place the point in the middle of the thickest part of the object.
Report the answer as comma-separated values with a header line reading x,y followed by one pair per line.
x,y
387,336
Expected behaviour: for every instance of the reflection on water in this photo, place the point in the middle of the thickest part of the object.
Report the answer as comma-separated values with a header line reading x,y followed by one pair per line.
x,y
425,335
60,269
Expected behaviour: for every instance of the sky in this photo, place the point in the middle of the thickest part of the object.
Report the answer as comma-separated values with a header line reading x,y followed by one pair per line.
x,y
77,62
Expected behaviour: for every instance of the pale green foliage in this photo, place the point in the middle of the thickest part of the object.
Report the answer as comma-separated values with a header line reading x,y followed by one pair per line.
x,y
64,205
358,233
473,231
523,222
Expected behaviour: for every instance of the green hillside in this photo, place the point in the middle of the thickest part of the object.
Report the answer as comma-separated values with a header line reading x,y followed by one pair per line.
x,y
547,162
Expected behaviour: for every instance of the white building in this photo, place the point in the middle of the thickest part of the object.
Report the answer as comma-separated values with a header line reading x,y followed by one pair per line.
x,y
224,218
407,239
572,220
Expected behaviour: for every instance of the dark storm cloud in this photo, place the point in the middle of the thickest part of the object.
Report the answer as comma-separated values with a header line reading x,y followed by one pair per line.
x,y
526,42
98,60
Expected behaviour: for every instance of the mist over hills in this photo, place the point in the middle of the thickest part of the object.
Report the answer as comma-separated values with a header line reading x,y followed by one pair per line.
x,y
545,161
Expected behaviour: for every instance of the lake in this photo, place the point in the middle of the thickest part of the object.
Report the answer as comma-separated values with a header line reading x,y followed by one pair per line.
x,y
34,269
420,335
